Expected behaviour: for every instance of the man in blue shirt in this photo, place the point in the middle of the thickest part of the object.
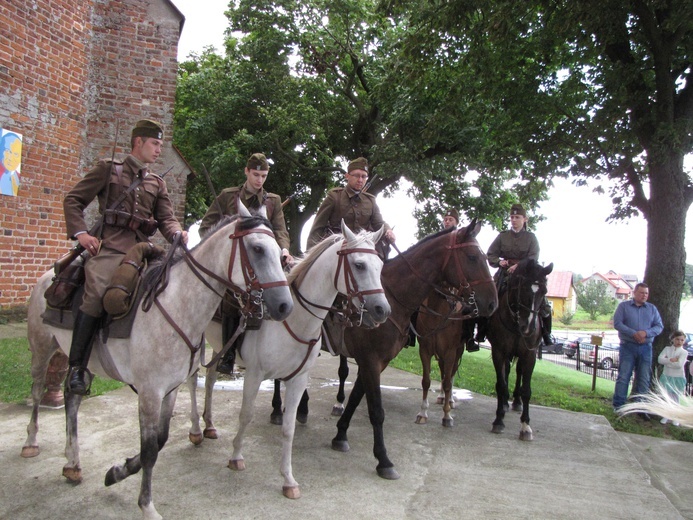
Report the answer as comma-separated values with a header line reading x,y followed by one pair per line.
x,y
637,323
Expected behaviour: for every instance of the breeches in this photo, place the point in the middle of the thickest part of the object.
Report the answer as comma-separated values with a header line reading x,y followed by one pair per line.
x,y
98,272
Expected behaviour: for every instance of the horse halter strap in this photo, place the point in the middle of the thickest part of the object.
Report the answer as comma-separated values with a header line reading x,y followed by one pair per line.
x,y
251,281
349,279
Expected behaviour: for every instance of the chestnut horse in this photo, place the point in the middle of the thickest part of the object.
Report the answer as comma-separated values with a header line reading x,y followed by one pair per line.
x,y
514,332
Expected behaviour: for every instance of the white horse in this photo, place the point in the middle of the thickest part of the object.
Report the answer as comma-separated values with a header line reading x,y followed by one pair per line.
x,y
164,347
345,264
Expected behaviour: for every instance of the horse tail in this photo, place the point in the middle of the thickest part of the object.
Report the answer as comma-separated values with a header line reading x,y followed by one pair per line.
x,y
663,404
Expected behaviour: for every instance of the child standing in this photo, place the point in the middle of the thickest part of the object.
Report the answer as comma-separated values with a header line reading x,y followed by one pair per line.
x,y
673,359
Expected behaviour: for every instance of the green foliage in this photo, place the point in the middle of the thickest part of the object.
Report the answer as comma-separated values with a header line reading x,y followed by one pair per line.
x,y
15,373
593,297
552,385
566,318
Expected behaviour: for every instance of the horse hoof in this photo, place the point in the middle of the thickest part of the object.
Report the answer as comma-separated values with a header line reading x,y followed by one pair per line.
x,y
291,491
30,451
447,423
111,477
497,428
388,473
342,446
210,433
517,407
276,418
237,464
302,418
526,436
337,411
195,438
420,419
440,400
74,475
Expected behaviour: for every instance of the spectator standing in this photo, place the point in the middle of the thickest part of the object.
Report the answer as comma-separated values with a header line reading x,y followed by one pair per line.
x,y
673,359
638,323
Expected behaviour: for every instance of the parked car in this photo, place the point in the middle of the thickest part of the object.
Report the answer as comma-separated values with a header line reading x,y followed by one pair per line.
x,y
570,346
608,356
556,348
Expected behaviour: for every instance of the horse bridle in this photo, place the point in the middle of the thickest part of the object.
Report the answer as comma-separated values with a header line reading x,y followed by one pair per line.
x,y
249,298
352,292
514,307
355,313
464,287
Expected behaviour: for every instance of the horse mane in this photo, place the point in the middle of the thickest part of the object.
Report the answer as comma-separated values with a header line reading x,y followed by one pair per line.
x,y
155,267
529,268
427,238
299,270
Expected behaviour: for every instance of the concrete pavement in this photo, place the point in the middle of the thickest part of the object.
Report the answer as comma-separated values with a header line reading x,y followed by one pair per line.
x,y
577,467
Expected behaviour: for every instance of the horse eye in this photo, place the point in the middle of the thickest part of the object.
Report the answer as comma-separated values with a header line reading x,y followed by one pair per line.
x,y
258,250
360,266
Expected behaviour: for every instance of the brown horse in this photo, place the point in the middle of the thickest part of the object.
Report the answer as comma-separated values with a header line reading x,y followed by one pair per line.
x,y
439,327
515,334
450,257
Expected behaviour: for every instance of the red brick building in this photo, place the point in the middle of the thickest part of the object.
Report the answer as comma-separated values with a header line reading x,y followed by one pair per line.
x,y
70,71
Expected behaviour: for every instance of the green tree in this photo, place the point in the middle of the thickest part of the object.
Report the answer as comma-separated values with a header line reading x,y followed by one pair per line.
x,y
594,89
594,298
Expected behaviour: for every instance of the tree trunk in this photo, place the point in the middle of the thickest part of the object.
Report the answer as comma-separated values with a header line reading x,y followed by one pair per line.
x,y
666,254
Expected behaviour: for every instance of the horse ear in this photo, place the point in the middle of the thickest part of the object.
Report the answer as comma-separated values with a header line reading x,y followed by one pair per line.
x,y
348,234
242,210
470,231
377,235
547,270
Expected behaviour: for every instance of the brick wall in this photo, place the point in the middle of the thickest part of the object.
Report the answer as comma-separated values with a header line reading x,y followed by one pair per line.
x,y
69,69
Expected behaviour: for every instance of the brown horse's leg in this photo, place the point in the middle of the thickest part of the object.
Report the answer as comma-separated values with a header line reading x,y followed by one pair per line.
x,y
343,373
340,441
449,363
302,411
501,366
528,362
425,353
517,398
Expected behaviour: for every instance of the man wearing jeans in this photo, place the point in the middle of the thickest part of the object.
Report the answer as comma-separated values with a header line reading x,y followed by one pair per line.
x,y
637,323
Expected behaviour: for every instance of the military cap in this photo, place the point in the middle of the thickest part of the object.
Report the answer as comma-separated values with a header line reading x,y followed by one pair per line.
x,y
517,209
452,212
148,128
358,164
257,161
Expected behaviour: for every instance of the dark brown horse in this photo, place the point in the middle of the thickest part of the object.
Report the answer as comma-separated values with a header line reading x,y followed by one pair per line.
x,y
450,259
439,327
515,334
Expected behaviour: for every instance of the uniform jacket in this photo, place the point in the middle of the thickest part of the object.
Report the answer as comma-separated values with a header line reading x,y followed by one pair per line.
x,y
149,199
227,200
513,246
359,211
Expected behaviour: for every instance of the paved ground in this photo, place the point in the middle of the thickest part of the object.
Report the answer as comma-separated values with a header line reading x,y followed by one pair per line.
x,y
577,467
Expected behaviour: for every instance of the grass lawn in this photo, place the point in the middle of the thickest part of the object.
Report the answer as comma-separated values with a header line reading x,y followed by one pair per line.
x,y
15,373
552,385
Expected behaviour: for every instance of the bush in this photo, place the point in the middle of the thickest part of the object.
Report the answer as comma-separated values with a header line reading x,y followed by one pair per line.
x,y
566,318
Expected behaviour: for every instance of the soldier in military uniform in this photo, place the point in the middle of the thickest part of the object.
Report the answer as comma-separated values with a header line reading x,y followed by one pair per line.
x,y
357,207
505,253
144,210
451,218
253,195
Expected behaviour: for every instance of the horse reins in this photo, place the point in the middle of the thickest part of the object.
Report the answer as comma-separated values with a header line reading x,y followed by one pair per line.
x,y
352,292
249,298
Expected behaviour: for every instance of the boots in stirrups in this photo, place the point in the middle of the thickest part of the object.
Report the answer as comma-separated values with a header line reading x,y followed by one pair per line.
x,y
412,326
82,340
229,324
468,336
546,329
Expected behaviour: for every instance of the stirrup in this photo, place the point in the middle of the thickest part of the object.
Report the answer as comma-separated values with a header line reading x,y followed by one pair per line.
x,y
87,378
